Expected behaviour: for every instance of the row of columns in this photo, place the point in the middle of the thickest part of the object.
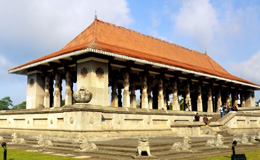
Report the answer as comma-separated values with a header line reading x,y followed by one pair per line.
x,y
129,99
57,98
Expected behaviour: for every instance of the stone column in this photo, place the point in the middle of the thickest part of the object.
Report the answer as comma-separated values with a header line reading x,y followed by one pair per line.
x,y
175,100
210,103
199,99
57,90
219,102
250,99
126,95
150,99
242,99
187,94
160,94
234,98
144,92
68,92
132,96
46,101
35,91
227,99
114,102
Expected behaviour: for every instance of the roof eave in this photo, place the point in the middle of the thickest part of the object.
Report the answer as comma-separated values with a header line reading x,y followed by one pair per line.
x,y
83,51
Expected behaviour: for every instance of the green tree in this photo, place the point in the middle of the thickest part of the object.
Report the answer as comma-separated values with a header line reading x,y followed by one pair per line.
x,y
20,106
5,103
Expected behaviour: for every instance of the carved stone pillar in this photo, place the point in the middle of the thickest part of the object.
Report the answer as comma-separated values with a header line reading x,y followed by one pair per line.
x,y
46,101
187,95
126,95
144,92
57,90
199,99
219,102
210,102
242,99
175,100
160,94
132,96
114,96
227,98
150,99
234,98
68,92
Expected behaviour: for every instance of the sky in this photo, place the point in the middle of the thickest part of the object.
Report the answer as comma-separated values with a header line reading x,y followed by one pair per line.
x,y
227,30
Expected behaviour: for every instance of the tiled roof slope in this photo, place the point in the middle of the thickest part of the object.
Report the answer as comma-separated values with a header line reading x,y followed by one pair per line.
x,y
108,37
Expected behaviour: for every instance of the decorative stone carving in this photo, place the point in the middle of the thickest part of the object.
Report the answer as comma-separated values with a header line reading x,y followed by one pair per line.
x,y
160,94
226,129
144,92
86,146
16,140
206,130
185,146
82,95
43,143
143,146
218,142
99,72
91,120
253,139
84,72
126,94
1,139
31,82
258,135
243,139
71,120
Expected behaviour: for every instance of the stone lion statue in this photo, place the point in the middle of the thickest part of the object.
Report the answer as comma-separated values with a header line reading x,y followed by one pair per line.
x,y
218,142
243,139
86,146
43,142
185,146
143,146
16,140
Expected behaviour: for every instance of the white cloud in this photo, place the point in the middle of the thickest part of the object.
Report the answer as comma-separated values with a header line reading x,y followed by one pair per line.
x,y
196,19
248,69
4,66
50,24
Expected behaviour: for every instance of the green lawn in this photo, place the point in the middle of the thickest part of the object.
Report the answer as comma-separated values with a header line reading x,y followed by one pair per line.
x,y
24,155
251,155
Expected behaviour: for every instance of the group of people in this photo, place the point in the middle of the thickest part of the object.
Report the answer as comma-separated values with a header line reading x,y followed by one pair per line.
x,y
224,109
205,119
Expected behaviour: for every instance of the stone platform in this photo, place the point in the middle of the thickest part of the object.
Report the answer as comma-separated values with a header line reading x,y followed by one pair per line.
x,y
125,148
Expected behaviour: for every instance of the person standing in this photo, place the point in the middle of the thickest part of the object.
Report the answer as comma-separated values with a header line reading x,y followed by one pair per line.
x,y
221,110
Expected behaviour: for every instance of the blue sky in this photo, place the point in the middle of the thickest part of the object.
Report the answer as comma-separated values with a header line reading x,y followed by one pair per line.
x,y
228,30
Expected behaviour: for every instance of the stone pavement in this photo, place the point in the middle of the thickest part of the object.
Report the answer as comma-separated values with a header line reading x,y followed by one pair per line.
x,y
125,148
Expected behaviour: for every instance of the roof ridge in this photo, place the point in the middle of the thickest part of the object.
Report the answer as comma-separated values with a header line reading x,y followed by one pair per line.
x,y
130,30
209,58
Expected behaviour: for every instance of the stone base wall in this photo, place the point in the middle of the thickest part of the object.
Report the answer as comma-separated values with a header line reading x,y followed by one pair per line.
x,y
90,120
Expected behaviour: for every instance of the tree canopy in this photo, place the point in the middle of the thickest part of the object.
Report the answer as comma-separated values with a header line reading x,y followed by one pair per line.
x,y
5,103
20,106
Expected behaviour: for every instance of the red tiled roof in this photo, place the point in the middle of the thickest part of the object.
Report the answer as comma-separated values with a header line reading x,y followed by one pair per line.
x,y
108,37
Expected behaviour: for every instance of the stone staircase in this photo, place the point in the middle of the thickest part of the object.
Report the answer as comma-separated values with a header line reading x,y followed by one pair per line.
x,y
125,148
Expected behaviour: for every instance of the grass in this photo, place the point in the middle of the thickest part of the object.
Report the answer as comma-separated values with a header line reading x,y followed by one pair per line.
x,y
13,154
251,155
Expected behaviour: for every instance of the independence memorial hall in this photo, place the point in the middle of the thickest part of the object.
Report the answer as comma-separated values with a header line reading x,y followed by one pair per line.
x,y
108,64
